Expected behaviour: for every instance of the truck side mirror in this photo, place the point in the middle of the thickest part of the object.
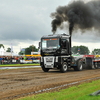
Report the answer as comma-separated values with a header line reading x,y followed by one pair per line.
x,y
39,45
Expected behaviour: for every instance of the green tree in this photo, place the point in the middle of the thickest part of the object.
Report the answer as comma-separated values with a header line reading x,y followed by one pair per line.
x,y
29,50
22,51
82,50
96,51
1,45
8,50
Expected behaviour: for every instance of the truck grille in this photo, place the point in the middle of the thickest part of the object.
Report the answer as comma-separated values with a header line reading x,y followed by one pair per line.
x,y
49,59
49,62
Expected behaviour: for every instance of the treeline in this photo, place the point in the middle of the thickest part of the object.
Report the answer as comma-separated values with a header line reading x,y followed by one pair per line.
x,y
75,49
84,50
27,50
80,49
96,51
8,49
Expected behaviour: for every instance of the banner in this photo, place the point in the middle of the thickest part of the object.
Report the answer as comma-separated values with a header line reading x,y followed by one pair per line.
x,y
13,61
6,61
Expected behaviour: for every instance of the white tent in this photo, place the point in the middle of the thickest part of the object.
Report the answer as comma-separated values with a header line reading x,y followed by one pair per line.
x,y
2,51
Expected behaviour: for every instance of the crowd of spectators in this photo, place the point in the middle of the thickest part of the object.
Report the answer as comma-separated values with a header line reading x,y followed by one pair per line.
x,y
17,58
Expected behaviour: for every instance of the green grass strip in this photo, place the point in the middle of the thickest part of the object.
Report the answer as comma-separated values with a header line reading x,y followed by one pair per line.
x,y
80,92
9,65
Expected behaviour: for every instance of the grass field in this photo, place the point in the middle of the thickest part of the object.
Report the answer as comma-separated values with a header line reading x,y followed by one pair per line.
x,y
10,65
80,92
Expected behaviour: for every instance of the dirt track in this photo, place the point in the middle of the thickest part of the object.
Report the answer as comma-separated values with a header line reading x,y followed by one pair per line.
x,y
16,82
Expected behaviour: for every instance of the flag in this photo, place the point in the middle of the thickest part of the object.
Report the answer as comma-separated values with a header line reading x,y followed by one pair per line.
x,y
38,51
11,47
78,49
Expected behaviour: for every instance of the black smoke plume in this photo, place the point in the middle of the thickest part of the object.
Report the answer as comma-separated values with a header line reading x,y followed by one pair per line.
x,y
83,15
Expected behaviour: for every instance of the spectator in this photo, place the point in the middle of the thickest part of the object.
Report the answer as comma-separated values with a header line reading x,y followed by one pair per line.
x,y
1,58
25,58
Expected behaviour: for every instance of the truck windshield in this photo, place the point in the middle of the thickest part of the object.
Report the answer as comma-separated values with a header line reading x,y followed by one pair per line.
x,y
50,43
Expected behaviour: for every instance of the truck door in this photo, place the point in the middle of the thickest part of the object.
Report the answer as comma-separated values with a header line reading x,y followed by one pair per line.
x,y
64,46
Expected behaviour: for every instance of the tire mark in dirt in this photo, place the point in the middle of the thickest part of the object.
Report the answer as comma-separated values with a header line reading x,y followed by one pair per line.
x,y
27,81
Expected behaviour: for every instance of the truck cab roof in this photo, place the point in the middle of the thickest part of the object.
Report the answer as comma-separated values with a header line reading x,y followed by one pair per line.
x,y
56,35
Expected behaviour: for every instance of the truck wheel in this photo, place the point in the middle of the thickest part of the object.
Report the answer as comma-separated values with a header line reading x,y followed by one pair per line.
x,y
64,68
79,66
45,69
89,63
96,66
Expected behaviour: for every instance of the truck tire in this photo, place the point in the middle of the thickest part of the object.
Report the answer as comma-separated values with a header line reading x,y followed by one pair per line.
x,y
79,66
64,68
89,63
96,66
45,69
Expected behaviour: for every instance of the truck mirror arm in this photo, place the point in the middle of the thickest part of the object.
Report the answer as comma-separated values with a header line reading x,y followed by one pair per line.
x,y
39,45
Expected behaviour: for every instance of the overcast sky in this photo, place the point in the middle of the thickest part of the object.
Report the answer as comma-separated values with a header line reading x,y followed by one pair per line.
x,y
24,22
